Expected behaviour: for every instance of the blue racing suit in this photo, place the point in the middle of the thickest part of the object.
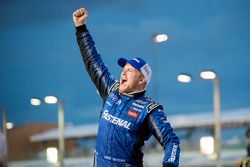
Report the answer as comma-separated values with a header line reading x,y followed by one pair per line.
x,y
126,120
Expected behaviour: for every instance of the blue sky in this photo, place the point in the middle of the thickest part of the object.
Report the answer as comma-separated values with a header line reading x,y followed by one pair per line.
x,y
39,55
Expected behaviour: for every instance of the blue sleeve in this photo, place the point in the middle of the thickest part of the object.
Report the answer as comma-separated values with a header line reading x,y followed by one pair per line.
x,y
95,67
163,132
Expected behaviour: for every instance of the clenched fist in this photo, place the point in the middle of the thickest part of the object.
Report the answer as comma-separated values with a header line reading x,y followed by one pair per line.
x,y
80,16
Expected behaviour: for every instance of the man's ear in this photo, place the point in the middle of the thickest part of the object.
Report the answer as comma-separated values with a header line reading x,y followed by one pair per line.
x,y
142,80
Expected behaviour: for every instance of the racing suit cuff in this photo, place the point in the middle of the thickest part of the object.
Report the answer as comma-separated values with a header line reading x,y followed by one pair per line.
x,y
81,28
168,165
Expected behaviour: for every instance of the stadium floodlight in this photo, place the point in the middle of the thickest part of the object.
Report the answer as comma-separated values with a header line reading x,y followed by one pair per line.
x,y
35,101
207,74
207,145
160,38
52,155
185,78
50,99
9,125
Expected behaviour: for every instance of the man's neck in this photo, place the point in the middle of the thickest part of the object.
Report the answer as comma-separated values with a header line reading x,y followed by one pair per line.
x,y
135,94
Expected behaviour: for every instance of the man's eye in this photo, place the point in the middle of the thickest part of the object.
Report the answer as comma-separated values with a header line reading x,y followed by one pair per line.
x,y
129,70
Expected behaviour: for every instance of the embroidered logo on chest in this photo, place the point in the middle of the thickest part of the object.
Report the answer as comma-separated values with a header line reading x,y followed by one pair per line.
x,y
135,109
137,105
115,120
115,98
132,114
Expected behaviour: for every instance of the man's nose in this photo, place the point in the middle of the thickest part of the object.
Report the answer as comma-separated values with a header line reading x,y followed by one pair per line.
x,y
123,73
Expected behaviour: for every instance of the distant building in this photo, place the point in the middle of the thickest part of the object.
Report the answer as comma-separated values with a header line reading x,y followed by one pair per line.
x,y
31,141
19,145
2,150
79,140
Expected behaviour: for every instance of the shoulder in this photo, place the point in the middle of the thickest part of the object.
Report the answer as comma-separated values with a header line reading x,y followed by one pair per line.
x,y
113,87
149,104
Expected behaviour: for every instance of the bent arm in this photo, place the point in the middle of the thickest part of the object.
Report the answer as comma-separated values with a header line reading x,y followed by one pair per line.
x,y
95,67
163,132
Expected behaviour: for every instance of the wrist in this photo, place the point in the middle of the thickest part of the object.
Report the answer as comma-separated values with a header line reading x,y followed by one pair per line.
x,y
81,28
78,24
168,165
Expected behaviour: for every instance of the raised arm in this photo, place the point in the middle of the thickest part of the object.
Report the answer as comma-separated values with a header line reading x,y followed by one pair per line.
x,y
97,70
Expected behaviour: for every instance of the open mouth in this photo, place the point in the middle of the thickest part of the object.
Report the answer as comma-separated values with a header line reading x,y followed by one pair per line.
x,y
123,81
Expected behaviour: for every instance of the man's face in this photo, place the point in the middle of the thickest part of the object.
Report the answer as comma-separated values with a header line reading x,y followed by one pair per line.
x,y
130,79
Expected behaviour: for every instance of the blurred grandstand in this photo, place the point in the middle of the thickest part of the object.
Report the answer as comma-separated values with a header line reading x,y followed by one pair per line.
x,y
80,141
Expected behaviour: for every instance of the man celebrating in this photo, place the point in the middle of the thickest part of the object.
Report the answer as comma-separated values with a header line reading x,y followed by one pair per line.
x,y
128,117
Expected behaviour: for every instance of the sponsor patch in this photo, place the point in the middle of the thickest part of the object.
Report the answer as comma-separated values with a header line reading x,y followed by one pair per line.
x,y
132,114
152,106
115,120
118,101
136,109
137,105
115,98
141,102
173,153
114,87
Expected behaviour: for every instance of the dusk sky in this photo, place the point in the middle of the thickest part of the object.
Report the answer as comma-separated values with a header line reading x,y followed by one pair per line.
x,y
39,55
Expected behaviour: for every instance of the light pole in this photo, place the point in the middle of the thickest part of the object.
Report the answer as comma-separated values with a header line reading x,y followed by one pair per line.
x,y
61,131
217,113
4,122
210,75
157,38
60,110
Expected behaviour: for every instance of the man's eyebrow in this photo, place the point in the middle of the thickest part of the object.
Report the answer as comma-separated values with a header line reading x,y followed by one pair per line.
x,y
131,69
128,67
